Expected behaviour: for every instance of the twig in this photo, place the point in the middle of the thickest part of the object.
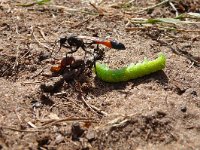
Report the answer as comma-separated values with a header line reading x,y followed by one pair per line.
x,y
67,99
83,100
7,69
43,45
80,23
182,30
29,82
172,29
37,73
178,51
42,34
99,110
188,56
31,124
154,6
65,8
93,108
99,10
192,64
18,130
16,30
174,8
17,57
20,120
148,134
135,28
55,121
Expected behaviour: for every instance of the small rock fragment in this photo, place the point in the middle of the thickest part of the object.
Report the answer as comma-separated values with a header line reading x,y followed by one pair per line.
x,y
91,135
59,139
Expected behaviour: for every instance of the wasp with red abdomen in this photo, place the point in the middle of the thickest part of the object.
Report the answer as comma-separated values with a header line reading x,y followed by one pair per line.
x,y
75,42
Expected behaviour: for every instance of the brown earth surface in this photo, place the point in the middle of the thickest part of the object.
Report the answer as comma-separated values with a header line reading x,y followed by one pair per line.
x,y
158,111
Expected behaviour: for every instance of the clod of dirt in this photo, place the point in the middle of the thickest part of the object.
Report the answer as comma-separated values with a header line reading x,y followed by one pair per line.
x,y
53,86
191,91
43,55
76,131
91,135
46,100
179,90
84,144
36,104
6,65
152,128
160,114
43,140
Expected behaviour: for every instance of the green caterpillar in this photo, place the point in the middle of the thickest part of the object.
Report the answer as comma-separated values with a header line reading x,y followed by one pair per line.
x,y
130,72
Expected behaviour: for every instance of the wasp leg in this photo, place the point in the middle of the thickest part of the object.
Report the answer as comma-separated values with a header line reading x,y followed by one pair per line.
x,y
95,57
86,52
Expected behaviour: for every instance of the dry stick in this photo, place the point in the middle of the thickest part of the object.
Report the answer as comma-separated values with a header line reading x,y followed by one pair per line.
x,y
83,100
16,30
19,118
17,58
43,45
148,134
31,124
182,30
190,57
55,121
142,28
72,101
135,28
99,110
99,10
18,130
174,8
154,6
6,70
188,68
178,52
42,34
93,108
65,8
37,73
31,82
83,22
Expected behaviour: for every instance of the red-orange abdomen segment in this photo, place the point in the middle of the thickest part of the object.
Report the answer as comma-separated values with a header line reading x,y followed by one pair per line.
x,y
112,44
106,43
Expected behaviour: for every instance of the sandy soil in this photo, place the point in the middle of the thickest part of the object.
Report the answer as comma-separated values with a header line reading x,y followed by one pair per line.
x,y
158,111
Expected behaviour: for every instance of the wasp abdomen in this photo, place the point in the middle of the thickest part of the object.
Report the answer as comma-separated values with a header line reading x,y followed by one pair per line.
x,y
117,45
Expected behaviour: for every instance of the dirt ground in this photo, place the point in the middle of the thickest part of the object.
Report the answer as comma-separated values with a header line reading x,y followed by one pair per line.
x,y
158,111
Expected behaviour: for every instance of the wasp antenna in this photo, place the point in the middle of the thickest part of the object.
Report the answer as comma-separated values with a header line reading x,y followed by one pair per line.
x,y
55,46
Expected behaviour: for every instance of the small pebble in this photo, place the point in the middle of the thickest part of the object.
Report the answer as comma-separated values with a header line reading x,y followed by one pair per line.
x,y
59,139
